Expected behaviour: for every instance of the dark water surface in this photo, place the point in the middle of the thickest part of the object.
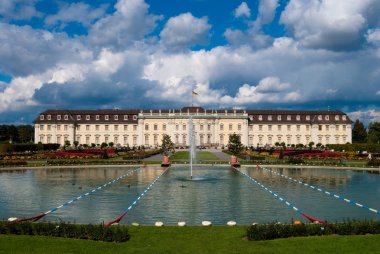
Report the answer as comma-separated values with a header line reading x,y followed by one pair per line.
x,y
218,194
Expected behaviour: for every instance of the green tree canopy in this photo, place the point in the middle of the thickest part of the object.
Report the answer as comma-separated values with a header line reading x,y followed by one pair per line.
x,y
234,144
374,133
167,146
359,133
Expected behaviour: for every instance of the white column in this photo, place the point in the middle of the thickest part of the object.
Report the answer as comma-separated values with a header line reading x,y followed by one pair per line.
x,y
245,132
36,133
349,133
140,128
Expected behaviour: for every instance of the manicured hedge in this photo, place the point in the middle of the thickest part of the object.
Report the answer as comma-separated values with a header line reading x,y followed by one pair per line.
x,y
373,148
12,163
274,230
66,230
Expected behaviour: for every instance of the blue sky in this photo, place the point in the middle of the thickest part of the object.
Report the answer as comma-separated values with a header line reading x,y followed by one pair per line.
x,y
271,54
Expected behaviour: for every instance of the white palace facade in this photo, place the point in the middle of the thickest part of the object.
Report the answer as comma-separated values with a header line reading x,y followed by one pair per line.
x,y
211,127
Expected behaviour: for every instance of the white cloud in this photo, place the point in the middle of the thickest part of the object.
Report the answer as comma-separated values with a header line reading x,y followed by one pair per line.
x,y
373,36
131,22
76,12
242,10
267,10
378,93
329,24
184,31
18,9
365,116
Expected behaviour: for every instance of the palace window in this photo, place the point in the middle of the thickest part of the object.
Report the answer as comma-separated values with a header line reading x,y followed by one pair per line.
x,y
307,127
344,118
116,117
209,127
106,127
78,127
251,128
260,127
78,117
327,128
125,117
337,127
155,127
96,127
320,117
134,117
337,118
298,127
279,127
41,117
279,118
106,139
48,127
116,139
106,117
298,117
87,117
116,127
164,127
87,140
125,127
269,127
184,127
230,127
58,117
260,117
87,127
58,127
65,127
146,127
269,118
307,118
344,127
125,140
239,127
327,117
134,127
288,118
66,117
97,117
49,117
221,127
289,127
320,127
41,127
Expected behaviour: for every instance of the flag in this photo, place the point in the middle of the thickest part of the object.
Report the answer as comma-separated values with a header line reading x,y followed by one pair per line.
x,y
194,93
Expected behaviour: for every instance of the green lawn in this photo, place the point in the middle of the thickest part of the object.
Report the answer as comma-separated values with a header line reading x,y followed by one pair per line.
x,y
200,155
216,239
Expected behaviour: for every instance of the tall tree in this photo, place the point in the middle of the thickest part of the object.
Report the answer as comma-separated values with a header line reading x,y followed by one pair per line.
x,y
234,144
359,133
374,133
25,133
167,146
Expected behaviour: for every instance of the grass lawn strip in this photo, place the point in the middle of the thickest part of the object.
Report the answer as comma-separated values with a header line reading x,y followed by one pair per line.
x,y
200,155
216,239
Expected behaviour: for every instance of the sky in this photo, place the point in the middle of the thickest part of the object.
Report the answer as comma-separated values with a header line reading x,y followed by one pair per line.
x,y
151,54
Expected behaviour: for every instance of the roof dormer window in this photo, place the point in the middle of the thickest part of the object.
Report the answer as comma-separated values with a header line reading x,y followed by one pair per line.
x,y
78,117
49,117
327,118
134,117
97,117
298,117
87,117
279,118
58,117
66,117
260,117
320,117
344,118
307,118
125,117
337,118
116,117
42,117
288,118
269,118
106,117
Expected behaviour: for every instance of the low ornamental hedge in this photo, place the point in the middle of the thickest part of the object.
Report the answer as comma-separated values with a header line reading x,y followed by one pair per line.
x,y
374,163
274,230
87,232
12,163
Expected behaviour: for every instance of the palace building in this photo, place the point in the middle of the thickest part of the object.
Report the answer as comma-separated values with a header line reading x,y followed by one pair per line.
x,y
211,127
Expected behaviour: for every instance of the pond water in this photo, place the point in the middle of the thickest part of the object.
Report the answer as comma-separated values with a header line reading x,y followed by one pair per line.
x,y
218,194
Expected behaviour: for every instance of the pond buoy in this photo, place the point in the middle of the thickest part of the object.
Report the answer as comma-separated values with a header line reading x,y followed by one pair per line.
x,y
181,224
159,224
231,223
12,219
206,223
135,224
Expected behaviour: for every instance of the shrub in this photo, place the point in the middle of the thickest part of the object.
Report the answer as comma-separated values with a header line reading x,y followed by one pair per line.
x,y
294,160
66,230
274,230
374,162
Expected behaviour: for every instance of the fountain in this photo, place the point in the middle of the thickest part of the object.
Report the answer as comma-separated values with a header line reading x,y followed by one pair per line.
x,y
191,145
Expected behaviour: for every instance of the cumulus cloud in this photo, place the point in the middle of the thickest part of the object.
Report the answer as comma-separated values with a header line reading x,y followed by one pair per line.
x,y
242,10
378,93
76,12
267,10
184,31
130,22
18,9
329,24
373,36
365,116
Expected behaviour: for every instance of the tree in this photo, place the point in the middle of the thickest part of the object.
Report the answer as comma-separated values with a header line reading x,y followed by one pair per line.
x,y
234,144
374,133
311,143
167,146
277,144
111,144
66,144
76,143
359,133
103,145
